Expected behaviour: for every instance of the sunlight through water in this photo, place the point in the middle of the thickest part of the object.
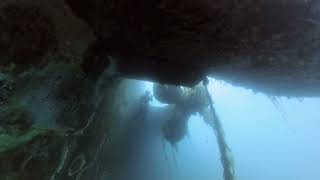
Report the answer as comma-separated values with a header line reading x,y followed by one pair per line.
x,y
268,140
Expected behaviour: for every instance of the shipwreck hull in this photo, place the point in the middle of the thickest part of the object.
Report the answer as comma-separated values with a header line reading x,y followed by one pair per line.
x,y
269,46
274,43
65,101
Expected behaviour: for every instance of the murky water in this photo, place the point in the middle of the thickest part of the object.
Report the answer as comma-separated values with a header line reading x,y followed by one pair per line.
x,y
268,139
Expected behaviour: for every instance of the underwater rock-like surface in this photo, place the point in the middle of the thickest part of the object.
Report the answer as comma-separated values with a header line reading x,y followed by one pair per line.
x,y
61,111
27,34
269,46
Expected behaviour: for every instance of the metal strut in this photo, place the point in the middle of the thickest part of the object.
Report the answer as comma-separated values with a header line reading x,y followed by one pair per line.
x,y
225,153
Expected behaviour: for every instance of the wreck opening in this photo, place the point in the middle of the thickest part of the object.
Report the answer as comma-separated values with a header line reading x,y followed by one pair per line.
x,y
106,89
126,133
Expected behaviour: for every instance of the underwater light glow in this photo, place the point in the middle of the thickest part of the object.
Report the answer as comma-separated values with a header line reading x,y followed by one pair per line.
x,y
275,141
268,140
149,87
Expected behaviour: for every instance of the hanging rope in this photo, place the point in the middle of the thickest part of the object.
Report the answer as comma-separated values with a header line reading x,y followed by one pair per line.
x,y
226,157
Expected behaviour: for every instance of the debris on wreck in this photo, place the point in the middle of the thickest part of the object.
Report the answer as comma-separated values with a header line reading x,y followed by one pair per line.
x,y
187,101
29,142
175,128
53,53
225,152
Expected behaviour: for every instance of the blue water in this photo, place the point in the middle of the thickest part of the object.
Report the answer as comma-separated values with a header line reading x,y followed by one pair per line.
x,y
270,140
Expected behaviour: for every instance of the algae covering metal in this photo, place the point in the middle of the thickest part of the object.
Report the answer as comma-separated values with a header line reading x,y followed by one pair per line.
x,y
53,124
269,46
61,111
185,102
59,123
